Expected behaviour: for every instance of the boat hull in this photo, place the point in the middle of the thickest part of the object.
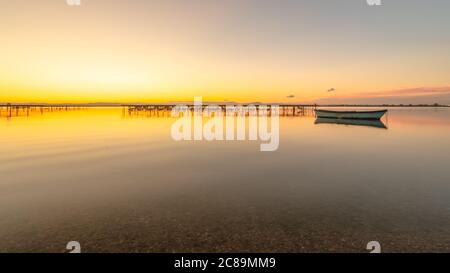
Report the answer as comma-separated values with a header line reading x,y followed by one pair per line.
x,y
368,115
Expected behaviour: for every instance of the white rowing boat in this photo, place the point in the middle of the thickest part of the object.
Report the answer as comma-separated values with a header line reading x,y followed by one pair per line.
x,y
376,115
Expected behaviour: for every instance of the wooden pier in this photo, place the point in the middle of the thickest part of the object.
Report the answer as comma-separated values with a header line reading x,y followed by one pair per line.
x,y
154,110
20,110
284,109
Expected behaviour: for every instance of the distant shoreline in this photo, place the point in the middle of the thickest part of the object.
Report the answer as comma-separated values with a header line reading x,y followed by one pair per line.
x,y
217,103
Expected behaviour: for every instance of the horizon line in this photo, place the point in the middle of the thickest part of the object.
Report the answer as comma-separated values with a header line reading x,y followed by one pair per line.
x,y
119,104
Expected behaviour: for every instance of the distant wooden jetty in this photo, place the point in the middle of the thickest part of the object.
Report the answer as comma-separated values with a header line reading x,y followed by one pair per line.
x,y
12,110
284,109
16,110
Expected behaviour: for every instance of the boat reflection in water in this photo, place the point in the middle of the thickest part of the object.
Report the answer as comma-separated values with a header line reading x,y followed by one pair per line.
x,y
355,122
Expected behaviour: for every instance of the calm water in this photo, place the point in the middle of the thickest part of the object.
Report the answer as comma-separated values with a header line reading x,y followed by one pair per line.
x,y
115,182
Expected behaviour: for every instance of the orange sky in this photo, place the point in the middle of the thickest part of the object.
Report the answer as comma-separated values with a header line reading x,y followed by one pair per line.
x,y
154,51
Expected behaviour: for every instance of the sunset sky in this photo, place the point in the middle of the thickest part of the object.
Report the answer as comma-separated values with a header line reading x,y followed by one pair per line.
x,y
239,50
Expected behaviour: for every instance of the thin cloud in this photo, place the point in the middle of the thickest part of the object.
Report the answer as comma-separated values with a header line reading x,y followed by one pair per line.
x,y
420,91
419,95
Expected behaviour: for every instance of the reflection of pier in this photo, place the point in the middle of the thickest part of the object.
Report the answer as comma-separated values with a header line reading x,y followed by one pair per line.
x,y
12,111
165,110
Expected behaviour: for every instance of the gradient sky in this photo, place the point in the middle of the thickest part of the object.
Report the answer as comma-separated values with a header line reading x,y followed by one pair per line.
x,y
240,50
